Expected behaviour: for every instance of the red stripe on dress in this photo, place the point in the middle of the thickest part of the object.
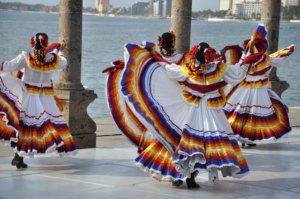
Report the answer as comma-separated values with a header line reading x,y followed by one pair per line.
x,y
204,88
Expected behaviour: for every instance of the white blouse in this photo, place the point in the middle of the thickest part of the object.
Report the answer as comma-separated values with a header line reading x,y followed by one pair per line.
x,y
30,75
233,75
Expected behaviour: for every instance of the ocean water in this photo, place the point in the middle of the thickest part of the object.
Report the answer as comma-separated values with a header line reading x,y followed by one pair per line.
x,y
104,38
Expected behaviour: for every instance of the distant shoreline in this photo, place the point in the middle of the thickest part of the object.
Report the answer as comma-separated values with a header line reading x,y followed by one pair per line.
x,y
150,17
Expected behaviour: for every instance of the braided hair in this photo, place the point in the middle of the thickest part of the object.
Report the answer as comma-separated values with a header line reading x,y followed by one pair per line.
x,y
39,42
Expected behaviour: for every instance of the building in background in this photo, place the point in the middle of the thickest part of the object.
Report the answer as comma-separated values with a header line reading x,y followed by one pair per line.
x,y
156,8
236,6
249,9
226,4
290,3
166,8
102,6
242,8
160,8
140,8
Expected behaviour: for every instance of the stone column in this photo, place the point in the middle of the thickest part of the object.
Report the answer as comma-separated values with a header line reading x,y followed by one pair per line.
x,y
181,23
271,19
69,89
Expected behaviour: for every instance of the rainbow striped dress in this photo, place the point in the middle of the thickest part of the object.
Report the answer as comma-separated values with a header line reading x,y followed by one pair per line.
x,y
31,120
152,157
255,112
183,110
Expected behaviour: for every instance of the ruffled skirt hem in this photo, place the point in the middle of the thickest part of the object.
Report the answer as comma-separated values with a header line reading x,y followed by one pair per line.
x,y
215,151
156,160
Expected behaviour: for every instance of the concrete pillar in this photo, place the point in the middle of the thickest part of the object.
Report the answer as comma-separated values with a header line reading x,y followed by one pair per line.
x,y
271,19
181,23
70,29
69,88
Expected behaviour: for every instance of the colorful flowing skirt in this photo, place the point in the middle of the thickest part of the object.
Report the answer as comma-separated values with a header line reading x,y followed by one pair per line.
x,y
32,113
256,114
195,136
158,161
207,142
153,156
10,106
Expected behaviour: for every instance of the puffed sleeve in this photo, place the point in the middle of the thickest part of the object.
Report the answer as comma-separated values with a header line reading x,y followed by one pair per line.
x,y
15,64
234,74
174,72
278,61
63,61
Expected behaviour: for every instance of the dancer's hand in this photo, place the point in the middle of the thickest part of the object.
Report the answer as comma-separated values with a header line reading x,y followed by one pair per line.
x,y
63,45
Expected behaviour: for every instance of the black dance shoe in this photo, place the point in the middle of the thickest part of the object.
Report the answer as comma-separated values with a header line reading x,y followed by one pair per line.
x,y
18,162
177,183
22,165
191,182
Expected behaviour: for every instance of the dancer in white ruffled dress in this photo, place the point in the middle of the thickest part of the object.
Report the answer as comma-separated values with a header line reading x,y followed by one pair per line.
x,y
153,156
33,122
255,112
207,141
156,158
182,106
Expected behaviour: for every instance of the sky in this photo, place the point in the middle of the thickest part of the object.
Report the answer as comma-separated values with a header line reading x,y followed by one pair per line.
x,y
197,4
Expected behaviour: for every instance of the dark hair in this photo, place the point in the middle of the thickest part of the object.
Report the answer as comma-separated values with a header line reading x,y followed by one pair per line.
x,y
38,44
167,44
200,54
167,40
39,49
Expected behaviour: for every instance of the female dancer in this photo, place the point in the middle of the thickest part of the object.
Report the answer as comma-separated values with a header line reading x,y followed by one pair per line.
x,y
255,112
207,140
34,123
153,156
156,158
182,105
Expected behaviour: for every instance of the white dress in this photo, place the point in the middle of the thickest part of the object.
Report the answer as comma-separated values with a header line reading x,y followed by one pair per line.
x,y
153,156
190,124
207,140
255,112
29,108
156,159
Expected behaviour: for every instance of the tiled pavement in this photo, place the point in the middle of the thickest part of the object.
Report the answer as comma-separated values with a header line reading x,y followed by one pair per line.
x,y
109,172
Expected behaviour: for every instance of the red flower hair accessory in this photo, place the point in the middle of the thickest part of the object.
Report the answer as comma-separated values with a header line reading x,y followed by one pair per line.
x,y
193,51
160,40
173,36
210,54
32,41
42,38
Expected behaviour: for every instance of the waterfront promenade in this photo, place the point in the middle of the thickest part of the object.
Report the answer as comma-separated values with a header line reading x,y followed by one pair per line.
x,y
108,171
